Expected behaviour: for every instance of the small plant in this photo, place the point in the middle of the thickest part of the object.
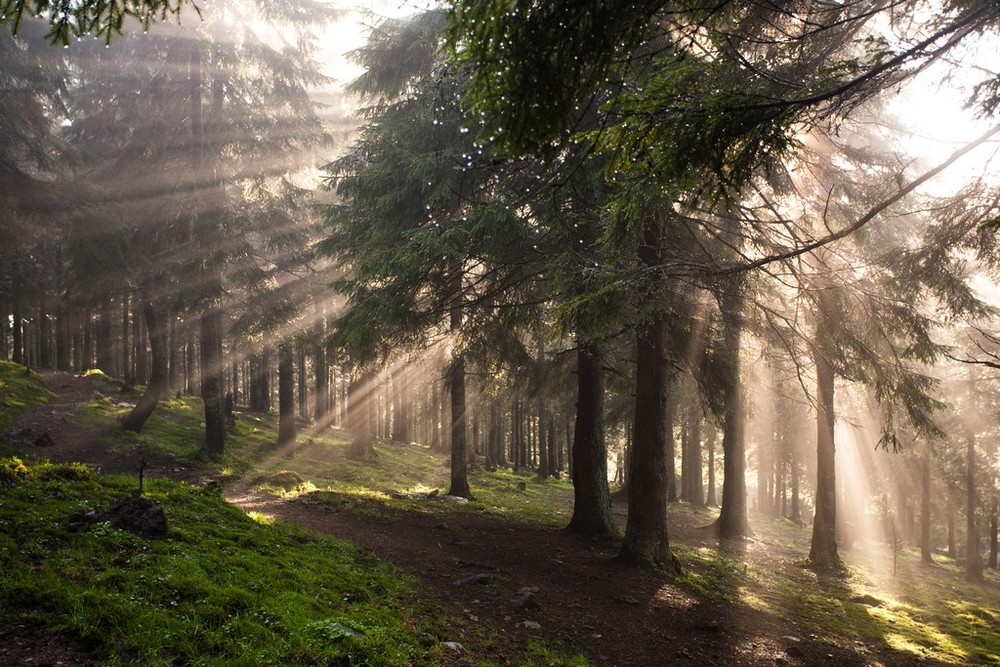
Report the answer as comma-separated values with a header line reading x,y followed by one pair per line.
x,y
12,471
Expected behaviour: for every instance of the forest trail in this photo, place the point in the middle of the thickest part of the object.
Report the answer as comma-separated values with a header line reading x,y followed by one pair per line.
x,y
478,569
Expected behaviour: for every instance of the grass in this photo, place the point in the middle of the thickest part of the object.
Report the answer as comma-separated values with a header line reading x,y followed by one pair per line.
x,y
220,589
927,612
20,391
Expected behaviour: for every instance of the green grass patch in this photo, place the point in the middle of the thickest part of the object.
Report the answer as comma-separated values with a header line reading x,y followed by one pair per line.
x,y
220,589
20,390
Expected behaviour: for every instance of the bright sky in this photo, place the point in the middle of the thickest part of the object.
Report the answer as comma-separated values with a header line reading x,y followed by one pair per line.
x,y
933,110
351,32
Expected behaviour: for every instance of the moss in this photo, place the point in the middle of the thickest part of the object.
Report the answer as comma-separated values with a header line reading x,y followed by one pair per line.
x,y
20,390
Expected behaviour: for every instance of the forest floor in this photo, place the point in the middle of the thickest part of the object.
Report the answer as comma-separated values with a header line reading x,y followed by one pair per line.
x,y
582,602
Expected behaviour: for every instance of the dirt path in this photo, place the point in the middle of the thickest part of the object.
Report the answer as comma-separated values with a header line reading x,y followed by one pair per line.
x,y
581,600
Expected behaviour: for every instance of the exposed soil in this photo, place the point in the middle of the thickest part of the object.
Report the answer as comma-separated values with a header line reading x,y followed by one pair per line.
x,y
586,602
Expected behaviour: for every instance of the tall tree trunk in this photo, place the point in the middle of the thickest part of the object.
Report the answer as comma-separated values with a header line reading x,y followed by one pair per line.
x,y
89,348
992,564
17,329
303,393
456,387
925,506
793,472
973,559
286,395
63,340
158,377
732,522
139,345
44,336
544,469
128,377
322,384
435,435
105,354
401,404
646,540
591,495
209,210
359,422
174,354
952,542
669,419
823,549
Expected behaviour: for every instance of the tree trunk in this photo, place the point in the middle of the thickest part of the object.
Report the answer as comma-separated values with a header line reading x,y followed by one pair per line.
x,y
139,349
44,336
973,559
952,542
158,377
823,549
127,375
591,496
793,472
992,564
63,338
303,394
359,400
286,395
104,347
669,417
646,541
209,211
925,506
17,332
456,387
321,371
401,404
732,522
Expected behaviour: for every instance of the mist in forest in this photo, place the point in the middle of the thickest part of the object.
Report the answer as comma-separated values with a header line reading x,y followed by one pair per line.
x,y
724,265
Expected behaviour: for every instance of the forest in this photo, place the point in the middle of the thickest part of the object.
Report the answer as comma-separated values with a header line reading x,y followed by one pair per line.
x,y
693,299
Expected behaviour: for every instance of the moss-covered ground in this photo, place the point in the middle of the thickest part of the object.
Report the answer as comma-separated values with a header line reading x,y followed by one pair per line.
x,y
224,588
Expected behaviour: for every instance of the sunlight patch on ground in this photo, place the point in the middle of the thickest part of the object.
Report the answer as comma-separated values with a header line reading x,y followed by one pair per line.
x,y
261,518
674,597
908,634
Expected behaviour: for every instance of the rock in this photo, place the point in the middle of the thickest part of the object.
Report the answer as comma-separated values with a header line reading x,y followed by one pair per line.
x,y
454,646
707,626
78,521
44,440
476,579
137,515
458,500
398,495
867,600
795,651
526,599
530,625
434,494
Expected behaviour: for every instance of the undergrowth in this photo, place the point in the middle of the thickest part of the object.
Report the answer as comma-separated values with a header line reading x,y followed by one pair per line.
x,y
20,390
220,589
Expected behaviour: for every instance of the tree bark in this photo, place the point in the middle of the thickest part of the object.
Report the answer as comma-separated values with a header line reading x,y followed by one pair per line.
x,y
286,395
992,564
925,507
359,422
591,495
456,387
973,559
158,377
732,522
646,541
303,393
208,213
823,549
